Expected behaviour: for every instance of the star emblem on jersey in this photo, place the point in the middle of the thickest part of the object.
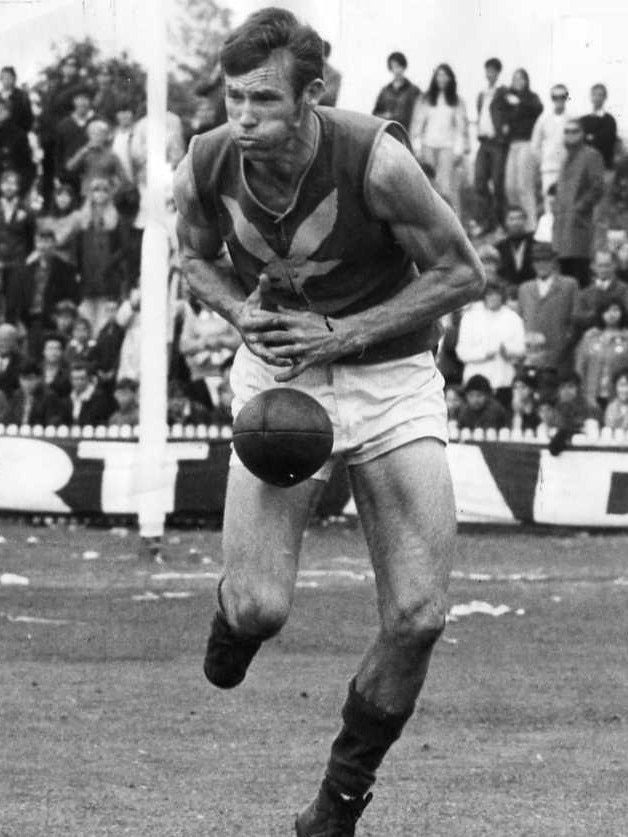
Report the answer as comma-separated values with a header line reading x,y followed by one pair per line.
x,y
292,271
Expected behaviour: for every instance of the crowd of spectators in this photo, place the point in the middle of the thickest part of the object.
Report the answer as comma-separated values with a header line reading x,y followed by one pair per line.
x,y
546,206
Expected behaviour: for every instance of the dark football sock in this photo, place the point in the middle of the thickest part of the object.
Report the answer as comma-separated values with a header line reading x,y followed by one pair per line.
x,y
366,736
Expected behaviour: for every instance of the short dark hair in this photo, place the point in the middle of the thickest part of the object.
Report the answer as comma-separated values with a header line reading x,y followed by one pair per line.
x,y
553,190
10,70
478,383
127,383
600,86
608,303
82,366
54,336
46,232
494,64
621,373
270,29
398,58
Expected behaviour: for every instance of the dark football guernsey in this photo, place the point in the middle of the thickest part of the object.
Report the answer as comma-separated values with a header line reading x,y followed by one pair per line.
x,y
326,252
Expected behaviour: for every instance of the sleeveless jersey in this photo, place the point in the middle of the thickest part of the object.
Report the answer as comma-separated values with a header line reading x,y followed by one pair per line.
x,y
326,252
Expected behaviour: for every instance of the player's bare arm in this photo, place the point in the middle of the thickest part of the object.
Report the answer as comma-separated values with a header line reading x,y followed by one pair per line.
x,y
208,272
450,273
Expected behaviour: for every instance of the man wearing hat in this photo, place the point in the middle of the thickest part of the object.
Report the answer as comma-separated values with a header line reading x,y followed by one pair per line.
x,y
547,305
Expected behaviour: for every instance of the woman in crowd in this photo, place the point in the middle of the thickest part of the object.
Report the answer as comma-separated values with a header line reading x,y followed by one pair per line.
x,y
440,135
616,415
61,221
522,109
602,352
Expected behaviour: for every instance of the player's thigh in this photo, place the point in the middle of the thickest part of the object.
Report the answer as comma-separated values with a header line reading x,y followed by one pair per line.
x,y
406,504
263,528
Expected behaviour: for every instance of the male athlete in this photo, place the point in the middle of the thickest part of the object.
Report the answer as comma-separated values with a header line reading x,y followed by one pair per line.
x,y
341,260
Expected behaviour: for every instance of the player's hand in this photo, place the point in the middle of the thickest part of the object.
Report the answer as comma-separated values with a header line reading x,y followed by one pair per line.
x,y
305,339
254,323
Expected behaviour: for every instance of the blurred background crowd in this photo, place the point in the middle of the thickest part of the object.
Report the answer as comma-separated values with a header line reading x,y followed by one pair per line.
x,y
541,191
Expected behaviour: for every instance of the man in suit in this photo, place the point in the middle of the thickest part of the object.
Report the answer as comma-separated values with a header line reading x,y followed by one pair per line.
x,y
515,250
605,288
490,162
21,114
33,293
71,134
86,403
10,360
32,403
547,305
580,188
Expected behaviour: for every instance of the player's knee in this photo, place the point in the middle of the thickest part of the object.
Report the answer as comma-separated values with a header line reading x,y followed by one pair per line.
x,y
418,624
262,613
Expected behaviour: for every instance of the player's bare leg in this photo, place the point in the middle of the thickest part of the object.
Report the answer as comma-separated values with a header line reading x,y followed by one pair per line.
x,y
406,505
262,534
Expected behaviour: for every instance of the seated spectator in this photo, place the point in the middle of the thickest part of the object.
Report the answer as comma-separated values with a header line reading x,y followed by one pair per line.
x,y
604,289
32,403
454,399
128,412
206,341
181,408
87,404
515,250
15,149
61,221
17,228
95,160
481,409
547,305
491,342
64,316
602,352
55,370
547,415
221,413
81,346
545,227
616,415
572,409
32,294
523,406
10,360
106,353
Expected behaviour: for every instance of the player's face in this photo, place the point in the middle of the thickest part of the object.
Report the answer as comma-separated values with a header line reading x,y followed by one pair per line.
x,y
261,109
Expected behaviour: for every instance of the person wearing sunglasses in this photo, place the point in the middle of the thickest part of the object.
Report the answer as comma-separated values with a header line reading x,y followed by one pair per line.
x,y
548,144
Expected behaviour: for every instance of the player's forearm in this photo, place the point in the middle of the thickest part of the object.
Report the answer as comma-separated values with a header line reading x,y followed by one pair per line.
x,y
437,292
214,284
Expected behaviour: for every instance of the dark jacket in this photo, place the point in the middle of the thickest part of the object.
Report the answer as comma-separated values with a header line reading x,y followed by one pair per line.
x,y
21,114
397,102
106,353
520,118
508,269
15,152
493,415
497,110
60,384
46,409
600,132
95,411
580,188
70,136
16,235
102,259
62,284
10,378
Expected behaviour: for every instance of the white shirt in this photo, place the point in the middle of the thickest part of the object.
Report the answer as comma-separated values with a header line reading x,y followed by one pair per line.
x,y
121,147
483,332
548,141
545,228
544,286
78,398
485,120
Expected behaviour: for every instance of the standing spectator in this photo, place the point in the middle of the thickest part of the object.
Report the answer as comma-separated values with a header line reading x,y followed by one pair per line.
x,y
490,161
106,354
547,305
10,360
32,404
545,227
82,345
332,79
397,99
59,101
17,99
128,412
105,100
123,138
622,263
440,133
523,405
605,288
17,227
33,293
515,250
616,414
600,127
602,352
523,109
481,409
86,403
71,135
492,342
580,187
61,220
96,159
102,242
548,145
54,368
15,149
129,318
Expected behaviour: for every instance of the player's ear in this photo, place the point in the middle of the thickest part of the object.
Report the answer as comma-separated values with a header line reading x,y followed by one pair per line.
x,y
313,92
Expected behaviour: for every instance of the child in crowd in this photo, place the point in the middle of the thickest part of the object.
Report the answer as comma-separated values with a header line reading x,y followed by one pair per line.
x,y
81,346
125,394
616,415
523,405
481,409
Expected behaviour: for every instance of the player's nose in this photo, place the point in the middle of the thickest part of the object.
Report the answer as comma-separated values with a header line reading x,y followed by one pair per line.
x,y
247,116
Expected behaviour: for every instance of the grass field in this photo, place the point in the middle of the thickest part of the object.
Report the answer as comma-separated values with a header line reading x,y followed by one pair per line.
x,y
108,727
